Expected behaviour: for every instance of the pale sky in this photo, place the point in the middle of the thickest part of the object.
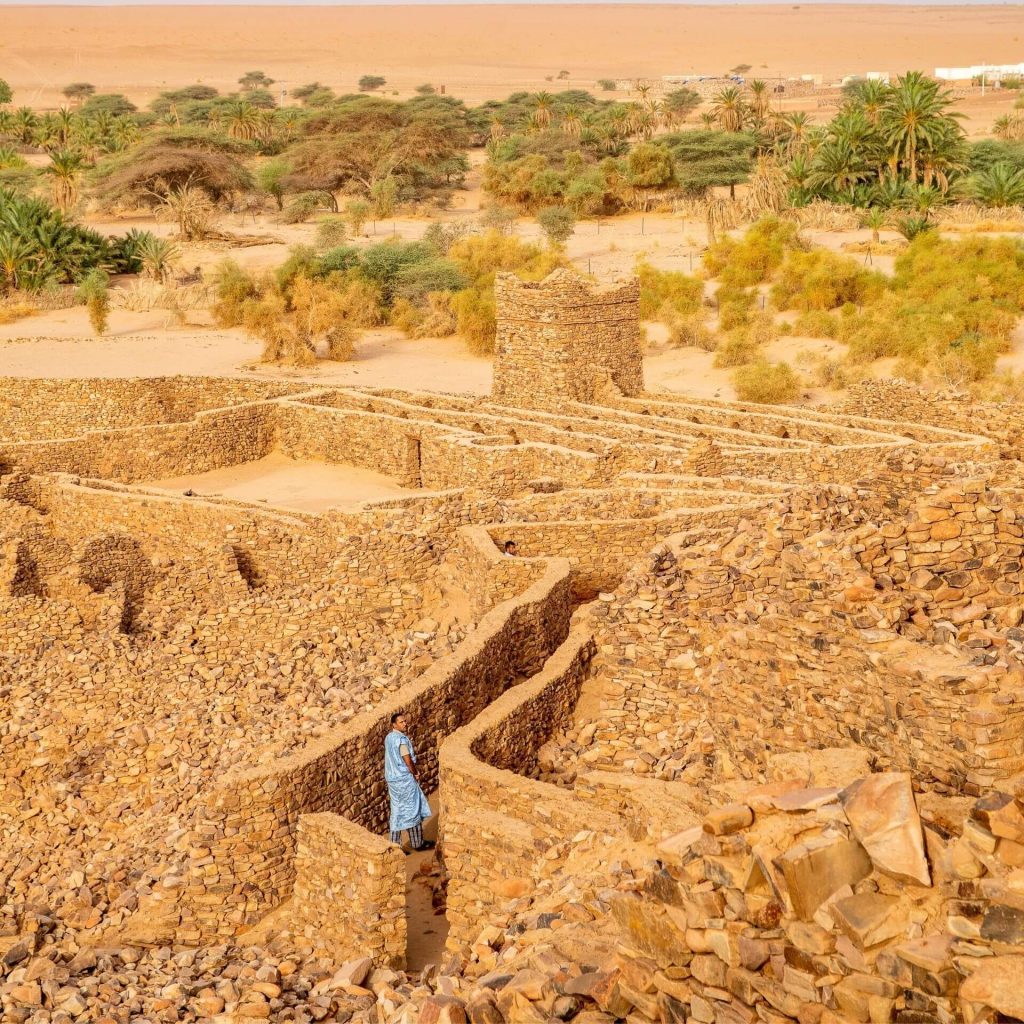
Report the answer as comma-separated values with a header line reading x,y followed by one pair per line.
x,y
392,3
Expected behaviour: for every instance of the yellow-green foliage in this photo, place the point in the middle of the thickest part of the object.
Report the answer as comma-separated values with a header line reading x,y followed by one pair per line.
x,y
821,279
735,306
952,307
689,330
435,320
234,287
736,349
480,257
293,326
762,381
359,299
753,258
816,324
475,318
667,291
93,291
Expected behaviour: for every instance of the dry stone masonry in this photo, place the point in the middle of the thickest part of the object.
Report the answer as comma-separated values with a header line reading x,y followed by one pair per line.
x,y
738,737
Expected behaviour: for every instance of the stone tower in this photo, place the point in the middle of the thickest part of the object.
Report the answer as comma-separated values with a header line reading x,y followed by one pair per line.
x,y
564,339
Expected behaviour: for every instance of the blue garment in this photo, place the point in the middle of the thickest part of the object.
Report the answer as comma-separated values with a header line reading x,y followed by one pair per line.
x,y
408,804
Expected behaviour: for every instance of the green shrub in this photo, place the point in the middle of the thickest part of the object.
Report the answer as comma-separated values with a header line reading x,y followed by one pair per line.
x,y
383,263
94,292
330,233
736,349
417,280
557,222
233,287
689,330
816,323
822,280
770,383
671,290
753,258
338,259
735,306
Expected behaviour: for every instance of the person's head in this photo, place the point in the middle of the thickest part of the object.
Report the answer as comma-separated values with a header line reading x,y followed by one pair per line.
x,y
511,547
398,721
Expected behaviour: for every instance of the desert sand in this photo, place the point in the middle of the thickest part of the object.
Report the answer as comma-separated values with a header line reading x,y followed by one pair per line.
x,y
301,485
482,52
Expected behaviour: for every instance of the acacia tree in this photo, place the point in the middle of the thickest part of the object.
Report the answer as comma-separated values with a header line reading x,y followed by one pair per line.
x,y
255,80
79,92
6,95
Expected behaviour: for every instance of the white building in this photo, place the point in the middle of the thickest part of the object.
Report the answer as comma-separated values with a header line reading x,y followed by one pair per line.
x,y
992,72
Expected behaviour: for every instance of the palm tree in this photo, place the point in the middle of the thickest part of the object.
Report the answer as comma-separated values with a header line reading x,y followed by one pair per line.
x,y
876,218
241,120
1002,184
838,168
497,128
543,105
760,98
871,97
795,128
158,256
124,133
25,124
1009,127
65,168
64,126
572,121
707,119
642,121
729,109
916,118
16,257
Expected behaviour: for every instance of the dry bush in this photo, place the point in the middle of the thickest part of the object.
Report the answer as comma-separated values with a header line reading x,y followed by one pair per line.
x,y
770,383
144,296
816,323
12,311
884,247
736,349
961,216
359,299
689,330
293,329
192,209
437,320
234,287
822,215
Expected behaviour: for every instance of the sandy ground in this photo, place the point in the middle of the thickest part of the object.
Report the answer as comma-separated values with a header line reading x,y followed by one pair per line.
x,y
60,343
482,52
301,485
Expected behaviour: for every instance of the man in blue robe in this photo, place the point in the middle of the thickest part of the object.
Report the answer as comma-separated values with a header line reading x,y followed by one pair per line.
x,y
409,807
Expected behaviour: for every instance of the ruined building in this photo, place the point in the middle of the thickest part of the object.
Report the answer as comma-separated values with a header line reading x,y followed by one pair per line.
x,y
738,738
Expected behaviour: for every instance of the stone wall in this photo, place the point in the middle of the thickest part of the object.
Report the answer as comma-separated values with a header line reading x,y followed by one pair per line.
x,y
496,822
38,409
243,838
349,896
564,339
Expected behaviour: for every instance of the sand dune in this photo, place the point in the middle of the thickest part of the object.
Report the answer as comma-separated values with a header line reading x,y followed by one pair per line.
x,y
481,51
